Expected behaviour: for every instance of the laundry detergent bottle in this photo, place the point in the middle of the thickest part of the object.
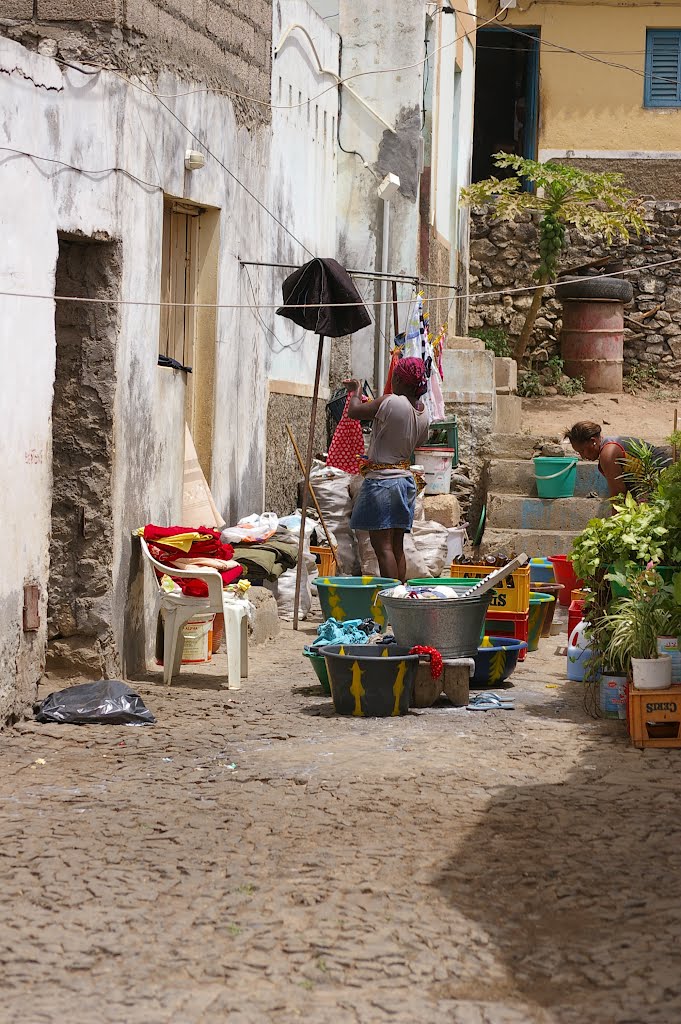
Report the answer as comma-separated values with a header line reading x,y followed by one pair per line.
x,y
579,652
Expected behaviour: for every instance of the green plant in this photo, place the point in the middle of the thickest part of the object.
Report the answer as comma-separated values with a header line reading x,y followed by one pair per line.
x,y
562,196
495,339
639,378
569,386
555,377
554,371
637,620
634,535
530,385
640,472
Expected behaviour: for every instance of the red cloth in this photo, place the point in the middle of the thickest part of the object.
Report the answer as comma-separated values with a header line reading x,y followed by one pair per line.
x,y
210,547
388,390
436,662
347,444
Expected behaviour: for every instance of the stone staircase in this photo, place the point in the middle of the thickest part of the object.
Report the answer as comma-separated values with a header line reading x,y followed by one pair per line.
x,y
518,520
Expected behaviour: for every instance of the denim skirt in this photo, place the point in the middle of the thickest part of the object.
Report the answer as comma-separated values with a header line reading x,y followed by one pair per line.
x,y
385,504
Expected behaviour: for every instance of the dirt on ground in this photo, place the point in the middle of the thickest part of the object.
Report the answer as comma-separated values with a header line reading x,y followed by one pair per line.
x,y
648,415
255,858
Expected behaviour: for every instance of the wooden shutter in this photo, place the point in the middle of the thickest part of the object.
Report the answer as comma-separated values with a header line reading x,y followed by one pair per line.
x,y
178,281
663,68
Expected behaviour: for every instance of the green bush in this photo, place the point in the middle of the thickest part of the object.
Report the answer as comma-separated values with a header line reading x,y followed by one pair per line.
x,y
495,339
530,385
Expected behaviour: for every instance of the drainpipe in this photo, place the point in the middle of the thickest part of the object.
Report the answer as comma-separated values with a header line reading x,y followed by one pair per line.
x,y
386,191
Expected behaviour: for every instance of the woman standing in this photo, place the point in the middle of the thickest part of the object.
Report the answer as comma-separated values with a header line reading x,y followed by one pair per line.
x,y
386,501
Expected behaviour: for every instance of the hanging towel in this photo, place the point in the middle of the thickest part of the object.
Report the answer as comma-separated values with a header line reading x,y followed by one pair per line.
x,y
323,282
348,443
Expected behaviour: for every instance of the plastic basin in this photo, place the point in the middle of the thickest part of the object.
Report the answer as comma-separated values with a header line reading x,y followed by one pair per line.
x,y
541,571
565,574
353,597
555,590
371,681
319,665
495,664
539,606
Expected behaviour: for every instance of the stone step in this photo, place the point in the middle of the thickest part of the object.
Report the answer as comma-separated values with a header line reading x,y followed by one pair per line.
x,y
517,476
535,543
517,512
512,446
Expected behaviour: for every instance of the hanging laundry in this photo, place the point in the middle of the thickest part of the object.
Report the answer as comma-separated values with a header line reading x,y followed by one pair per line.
x,y
347,445
418,343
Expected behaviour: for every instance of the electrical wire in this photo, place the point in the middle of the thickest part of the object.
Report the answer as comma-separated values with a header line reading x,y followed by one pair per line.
x,y
81,170
322,305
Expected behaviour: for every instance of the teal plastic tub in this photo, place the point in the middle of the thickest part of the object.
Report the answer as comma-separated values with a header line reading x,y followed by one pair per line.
x,y
556,477
318,663
353,597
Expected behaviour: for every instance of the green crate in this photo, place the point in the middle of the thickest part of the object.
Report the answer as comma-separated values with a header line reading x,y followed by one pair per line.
x,y
444,434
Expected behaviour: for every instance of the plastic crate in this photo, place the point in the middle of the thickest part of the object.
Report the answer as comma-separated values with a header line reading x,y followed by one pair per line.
x,y
511,594
655,717
508,624
444,434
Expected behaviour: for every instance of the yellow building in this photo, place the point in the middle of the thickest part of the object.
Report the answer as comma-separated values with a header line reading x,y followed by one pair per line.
x,y
597,84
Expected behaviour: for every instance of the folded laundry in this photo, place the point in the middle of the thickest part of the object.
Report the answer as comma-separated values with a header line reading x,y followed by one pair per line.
x,y
352,631
266,561
176,546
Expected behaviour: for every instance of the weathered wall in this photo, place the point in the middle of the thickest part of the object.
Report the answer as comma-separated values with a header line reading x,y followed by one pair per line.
x,y
588,106
653,179
101,123
379,34
223,43
283,472
503,256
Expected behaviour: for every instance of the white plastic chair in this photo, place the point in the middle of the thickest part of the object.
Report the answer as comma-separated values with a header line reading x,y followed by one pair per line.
x,y
177,609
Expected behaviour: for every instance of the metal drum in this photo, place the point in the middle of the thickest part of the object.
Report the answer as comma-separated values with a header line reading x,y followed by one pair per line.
x,y
453,626
592,336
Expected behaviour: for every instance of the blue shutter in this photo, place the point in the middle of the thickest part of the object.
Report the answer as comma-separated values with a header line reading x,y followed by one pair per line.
x,y
663,68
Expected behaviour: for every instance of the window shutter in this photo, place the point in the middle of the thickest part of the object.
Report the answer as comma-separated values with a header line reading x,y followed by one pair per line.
x,y
663,68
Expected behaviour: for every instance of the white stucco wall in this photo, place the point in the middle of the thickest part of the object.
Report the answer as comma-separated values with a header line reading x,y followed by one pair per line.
x,y
95,123
379,35
303,178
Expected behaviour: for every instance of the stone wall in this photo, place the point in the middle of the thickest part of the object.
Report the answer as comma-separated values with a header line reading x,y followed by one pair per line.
x,y
225,43
282,470
504,256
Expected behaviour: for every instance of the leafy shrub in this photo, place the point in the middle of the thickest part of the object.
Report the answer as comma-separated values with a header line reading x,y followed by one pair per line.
x,y
530,385
640,378
495,339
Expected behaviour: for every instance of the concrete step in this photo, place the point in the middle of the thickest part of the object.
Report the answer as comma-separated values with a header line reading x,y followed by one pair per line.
x,y
515,511
535,543
517,476
511,446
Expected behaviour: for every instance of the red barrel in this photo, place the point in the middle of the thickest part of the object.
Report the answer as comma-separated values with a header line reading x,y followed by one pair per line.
x,y
592,342
592,338
575,615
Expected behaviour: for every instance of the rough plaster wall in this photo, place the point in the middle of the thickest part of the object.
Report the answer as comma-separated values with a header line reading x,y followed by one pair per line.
x,y
439,256
283,473
655,179
223,43
80,636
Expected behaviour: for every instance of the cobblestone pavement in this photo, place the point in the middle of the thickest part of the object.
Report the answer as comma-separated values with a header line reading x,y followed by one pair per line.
x,y
449,867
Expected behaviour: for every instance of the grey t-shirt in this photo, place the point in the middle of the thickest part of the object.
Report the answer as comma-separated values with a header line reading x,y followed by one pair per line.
x,y
398,429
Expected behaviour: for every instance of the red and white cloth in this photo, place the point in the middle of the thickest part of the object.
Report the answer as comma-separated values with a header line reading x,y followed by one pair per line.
x,y
347,444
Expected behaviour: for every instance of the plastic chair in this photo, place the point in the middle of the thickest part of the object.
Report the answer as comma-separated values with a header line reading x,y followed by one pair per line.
x,y
177,609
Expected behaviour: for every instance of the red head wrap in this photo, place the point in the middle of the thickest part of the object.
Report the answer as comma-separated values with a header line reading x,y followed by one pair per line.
x,y
412,373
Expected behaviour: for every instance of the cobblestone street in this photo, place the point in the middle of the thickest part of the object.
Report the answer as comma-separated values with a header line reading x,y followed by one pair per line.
x,y
254,858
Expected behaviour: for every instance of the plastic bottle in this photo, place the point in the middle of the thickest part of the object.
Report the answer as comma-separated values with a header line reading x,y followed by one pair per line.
x,y
579,653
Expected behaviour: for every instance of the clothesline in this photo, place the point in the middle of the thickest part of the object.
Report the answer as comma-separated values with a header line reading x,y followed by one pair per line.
x,y
361,275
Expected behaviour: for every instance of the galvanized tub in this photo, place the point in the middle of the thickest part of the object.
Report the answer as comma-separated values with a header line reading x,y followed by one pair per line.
x,y
452,626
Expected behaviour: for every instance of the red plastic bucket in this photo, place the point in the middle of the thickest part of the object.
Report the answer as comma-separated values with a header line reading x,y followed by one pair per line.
x,y
575,615
565,574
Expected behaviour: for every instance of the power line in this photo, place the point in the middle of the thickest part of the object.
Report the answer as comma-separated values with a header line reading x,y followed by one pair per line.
x,y
82,170
323,305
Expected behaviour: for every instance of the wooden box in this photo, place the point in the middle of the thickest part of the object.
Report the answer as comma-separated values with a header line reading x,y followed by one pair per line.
x,y
655,717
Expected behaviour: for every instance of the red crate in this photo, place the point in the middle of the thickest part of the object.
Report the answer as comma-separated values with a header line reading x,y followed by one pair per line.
x,y
511,624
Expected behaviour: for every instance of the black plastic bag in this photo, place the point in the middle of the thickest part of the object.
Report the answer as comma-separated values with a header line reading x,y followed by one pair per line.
x,y
106,702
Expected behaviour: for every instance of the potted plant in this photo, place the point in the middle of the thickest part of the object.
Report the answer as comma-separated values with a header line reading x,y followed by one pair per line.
x,y
636,622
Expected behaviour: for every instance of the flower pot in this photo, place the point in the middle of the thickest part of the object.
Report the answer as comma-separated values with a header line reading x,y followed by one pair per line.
x,y
555,589
652,673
